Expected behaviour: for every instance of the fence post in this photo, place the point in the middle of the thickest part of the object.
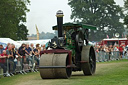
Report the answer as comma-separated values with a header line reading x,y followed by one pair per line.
x,y
107,56
1,71
117,55
7,73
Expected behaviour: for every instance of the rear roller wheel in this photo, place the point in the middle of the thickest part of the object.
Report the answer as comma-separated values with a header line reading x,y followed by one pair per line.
x,y
88,55
54,66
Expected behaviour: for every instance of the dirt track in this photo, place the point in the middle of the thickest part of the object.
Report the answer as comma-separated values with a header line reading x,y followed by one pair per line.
x,y
36,79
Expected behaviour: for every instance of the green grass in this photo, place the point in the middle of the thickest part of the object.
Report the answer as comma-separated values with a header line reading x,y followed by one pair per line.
x,y
114,61
15,79
107,73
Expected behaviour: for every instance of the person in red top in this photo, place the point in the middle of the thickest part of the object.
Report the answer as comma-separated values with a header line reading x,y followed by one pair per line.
x,y
3,57
121,51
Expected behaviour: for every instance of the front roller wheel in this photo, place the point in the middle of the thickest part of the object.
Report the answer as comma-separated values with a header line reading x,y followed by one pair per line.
x,y
54,66
89,58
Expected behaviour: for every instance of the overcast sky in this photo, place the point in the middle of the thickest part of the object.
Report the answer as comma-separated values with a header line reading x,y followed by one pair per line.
x,y
42,13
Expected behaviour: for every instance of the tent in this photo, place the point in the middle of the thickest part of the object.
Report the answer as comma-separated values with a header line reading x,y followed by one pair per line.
x,y
4,44
41,42
8,40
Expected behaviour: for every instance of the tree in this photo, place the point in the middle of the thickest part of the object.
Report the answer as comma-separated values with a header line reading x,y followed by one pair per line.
x,y
12,19
126,9
104,14
47,35
22,32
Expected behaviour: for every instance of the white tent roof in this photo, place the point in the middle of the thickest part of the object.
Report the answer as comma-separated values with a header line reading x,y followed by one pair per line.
x,y
41,42
8,40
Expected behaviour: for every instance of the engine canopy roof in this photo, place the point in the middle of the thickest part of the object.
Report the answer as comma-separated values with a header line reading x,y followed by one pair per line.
x,y
68,26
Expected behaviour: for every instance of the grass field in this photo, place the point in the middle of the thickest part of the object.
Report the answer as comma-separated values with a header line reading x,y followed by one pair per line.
x,y
107,73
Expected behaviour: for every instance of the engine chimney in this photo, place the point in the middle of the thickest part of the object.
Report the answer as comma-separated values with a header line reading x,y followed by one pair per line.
x,y
59,16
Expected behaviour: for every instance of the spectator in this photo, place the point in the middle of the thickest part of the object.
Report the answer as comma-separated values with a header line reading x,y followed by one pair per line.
x,y
32,46
42,47
3,63
107,53
97,52
116,52
126,52
21,53
29,54
1,49
10,59
37,53
121,51
103,53
14,50
100,53
110,48
7,46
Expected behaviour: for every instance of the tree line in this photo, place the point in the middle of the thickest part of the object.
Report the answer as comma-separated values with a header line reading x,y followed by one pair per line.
x,y
46,35
106,15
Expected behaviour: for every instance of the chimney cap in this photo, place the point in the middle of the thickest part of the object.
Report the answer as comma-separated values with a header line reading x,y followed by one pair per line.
x,y
59,13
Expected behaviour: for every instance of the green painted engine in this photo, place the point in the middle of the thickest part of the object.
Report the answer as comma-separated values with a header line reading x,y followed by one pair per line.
x,y
70,51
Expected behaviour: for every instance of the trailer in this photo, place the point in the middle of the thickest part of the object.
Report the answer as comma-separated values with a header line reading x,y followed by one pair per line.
x,y
113,41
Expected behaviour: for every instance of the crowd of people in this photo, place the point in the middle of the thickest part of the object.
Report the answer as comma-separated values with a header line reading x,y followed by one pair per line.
x,y
111,52
24,56
14,60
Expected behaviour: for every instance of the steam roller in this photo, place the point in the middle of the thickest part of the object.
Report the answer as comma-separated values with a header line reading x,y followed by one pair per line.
x,y
68,52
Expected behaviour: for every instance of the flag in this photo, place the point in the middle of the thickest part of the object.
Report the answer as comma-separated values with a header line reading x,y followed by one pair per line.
x,y
107,36
125,36
122,35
